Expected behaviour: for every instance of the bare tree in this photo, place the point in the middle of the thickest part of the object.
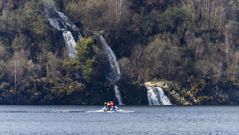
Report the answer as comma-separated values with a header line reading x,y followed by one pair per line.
x,y
210,12
3,52
16,67
53,65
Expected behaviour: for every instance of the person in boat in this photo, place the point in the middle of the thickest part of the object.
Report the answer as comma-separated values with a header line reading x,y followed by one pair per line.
x,y
110,105
105,105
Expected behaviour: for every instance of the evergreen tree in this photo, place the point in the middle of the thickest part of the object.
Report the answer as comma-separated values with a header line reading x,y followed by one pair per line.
x,y
85,57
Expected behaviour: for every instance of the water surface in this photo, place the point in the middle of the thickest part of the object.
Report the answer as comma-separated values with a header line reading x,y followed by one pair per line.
x,y
85,120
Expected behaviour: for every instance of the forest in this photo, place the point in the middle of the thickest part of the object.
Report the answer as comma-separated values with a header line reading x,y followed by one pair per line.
x,y
193,44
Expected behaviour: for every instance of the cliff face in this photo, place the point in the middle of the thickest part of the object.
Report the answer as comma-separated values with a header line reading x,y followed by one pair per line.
x,y
193,44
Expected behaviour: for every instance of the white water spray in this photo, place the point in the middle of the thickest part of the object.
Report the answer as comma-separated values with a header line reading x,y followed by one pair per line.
x,y
156,96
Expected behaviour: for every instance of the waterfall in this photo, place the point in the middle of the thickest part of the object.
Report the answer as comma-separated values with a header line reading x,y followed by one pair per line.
x,y
163,98
156,96
152,96
68,22
118,9
61,22
118,95
71,43
114,74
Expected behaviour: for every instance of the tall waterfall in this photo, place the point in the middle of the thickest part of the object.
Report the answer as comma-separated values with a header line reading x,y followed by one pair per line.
x,y
114,74
61,22
156,96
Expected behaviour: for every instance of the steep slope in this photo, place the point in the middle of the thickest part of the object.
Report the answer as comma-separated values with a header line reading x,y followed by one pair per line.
x,y
190,43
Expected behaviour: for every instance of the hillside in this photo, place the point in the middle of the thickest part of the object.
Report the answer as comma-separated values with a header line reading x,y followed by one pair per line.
x,y
191,45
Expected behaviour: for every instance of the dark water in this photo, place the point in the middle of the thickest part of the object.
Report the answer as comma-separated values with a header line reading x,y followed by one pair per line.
x,y
76,120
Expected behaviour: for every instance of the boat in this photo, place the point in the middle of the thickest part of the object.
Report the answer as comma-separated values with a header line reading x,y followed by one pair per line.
x,y
112,109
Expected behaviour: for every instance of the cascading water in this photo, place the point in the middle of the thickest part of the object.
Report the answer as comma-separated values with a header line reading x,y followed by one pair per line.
x,y
163,98
118,95
114,74
71,43
68,22
62,23
152,96
156,96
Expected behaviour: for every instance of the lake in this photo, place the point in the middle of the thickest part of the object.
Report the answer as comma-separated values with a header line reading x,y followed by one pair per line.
x,y
140,120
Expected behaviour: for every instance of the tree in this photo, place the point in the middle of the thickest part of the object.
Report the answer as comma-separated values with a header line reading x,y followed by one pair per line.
x,y
53,67
16,67
2,71
85,57
3,52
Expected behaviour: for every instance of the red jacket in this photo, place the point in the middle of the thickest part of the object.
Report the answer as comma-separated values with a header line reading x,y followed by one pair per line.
x,y
112,104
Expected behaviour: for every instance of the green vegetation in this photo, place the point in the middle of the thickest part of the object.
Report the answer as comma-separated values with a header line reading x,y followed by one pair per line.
x,y
85,57
183,41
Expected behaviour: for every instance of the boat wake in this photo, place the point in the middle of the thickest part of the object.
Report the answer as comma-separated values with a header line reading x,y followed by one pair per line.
x,y
65,111
52,111
117,111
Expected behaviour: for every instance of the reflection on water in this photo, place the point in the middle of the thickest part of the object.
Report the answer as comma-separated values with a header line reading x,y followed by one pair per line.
x,y
76,120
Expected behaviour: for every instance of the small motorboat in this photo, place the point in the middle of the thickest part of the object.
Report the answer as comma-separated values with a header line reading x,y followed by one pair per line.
x,y
110,109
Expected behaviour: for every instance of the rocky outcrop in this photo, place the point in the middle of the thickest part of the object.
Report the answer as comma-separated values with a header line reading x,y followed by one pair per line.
x,y
133,94
200,92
